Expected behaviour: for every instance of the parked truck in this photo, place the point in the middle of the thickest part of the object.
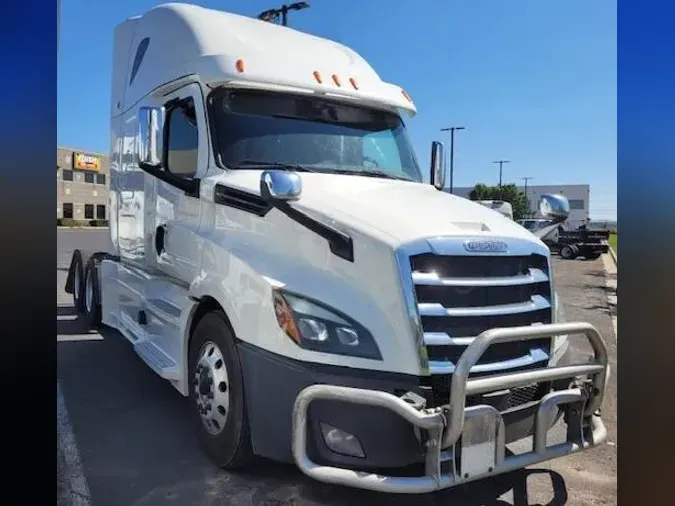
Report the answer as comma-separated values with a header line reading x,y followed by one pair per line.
x,y
276,256
569,244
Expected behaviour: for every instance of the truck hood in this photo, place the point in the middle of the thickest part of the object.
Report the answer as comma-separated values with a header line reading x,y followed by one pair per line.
x,y
397,211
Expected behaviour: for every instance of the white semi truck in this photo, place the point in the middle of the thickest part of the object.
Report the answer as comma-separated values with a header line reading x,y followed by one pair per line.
x,y
276,256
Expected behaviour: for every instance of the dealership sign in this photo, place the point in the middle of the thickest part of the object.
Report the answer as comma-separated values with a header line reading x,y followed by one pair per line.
x,y
83,161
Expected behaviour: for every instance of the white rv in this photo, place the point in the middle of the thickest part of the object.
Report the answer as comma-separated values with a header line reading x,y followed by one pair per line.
x,y
503,208
266,260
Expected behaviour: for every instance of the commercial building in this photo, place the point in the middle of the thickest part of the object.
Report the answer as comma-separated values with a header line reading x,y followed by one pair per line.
x,y
82,182
577,194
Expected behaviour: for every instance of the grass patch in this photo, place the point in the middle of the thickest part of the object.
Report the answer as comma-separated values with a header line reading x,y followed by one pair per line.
x,y
612,242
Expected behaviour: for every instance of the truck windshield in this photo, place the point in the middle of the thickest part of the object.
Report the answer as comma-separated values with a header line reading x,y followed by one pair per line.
x,y
254,128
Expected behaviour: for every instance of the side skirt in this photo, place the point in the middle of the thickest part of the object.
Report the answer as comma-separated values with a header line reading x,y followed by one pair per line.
x,y
153,312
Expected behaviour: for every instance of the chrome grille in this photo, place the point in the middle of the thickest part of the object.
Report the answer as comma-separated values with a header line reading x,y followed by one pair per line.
x,y
458,297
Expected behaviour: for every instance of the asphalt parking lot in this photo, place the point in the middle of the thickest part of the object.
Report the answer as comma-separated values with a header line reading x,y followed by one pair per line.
x,y
136,446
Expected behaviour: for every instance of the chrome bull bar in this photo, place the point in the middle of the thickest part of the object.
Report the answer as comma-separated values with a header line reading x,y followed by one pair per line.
x,y
446,426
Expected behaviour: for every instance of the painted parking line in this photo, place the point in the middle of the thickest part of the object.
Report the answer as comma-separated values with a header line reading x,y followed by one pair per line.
x,y
611,284
70,476
78,337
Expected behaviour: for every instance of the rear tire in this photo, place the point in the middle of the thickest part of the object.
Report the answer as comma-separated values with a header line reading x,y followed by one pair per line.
x,y
91,296
593,256
217,397
78,283
567,252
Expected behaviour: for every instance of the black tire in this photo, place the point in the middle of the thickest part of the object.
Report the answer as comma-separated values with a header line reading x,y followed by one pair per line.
x,y
592,256
567,252
78,283
91,312
575,250
230,448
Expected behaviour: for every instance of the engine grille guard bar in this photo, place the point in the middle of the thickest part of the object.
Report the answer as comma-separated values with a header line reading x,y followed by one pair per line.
x,y
445,425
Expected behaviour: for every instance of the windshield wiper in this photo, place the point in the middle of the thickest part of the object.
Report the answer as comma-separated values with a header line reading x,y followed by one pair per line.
x,y
370,173
254,164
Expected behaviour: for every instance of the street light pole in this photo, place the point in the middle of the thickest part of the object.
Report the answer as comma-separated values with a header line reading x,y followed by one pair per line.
x,y
452,151
273,14
529,209
501,163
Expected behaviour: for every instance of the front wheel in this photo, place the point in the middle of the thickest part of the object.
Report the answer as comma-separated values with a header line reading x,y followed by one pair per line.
x,y
217,393
567,252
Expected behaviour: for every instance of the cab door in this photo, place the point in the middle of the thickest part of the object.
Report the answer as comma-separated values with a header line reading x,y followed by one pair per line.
x,y
175,242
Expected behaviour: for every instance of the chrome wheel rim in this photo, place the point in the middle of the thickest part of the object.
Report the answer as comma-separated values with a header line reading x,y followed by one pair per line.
x,y
89,293
212,388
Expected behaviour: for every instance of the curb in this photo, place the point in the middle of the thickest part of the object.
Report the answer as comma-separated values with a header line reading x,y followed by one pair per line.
x,y
613,255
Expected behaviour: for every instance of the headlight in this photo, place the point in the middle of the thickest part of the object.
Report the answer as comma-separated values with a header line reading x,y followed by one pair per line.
x,y
314,326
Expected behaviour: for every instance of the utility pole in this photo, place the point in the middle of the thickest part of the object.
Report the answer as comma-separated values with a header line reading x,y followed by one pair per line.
x,y
501,162
452,151
529,210
273,14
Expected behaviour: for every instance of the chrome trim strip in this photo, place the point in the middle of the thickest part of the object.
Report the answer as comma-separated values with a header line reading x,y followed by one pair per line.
x,y
432,279
443,339
535,355
455,246
435,309
410,298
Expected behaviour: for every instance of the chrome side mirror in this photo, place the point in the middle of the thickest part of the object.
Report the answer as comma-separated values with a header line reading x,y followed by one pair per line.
x,y
554,207
150,136
437,165
280,185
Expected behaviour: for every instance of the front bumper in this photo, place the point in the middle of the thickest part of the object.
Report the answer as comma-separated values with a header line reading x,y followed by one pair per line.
x,y
462,443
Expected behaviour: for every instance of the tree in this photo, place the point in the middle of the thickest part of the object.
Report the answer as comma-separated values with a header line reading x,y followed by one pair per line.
x,y
508,193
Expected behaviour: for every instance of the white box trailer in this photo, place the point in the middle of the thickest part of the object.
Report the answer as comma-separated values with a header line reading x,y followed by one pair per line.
x,y
276,256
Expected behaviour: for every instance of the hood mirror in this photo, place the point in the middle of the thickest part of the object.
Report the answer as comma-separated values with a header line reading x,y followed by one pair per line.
x,y
280,185
554,207
437,165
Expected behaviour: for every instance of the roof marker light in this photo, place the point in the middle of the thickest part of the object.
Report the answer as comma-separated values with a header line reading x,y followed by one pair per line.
x,y
317,76
354,83
406,96
336,80
239,65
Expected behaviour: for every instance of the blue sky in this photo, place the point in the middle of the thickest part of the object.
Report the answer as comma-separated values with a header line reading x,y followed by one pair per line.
x,y
533,81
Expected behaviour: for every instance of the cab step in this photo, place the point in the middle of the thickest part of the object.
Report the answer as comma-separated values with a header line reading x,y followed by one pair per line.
x,y
157,360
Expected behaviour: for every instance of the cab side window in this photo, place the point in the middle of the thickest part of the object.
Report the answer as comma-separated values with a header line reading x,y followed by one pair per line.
x,y
182,139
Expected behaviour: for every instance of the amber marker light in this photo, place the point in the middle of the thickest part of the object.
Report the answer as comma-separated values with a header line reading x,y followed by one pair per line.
x,y
285,317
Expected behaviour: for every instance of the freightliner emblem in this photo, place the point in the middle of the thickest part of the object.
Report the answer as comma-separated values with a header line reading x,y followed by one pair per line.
x,y
482,246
